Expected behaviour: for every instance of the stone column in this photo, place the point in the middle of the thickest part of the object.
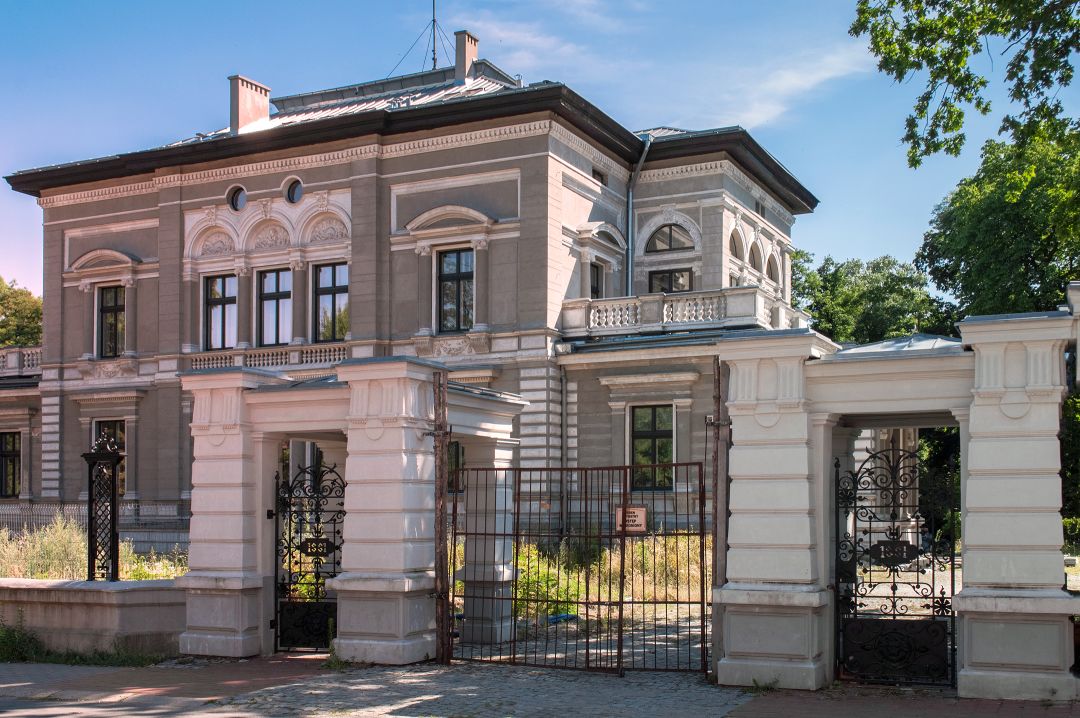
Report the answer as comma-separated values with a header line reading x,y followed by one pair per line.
x,y
243,307
775,601
300,292
1016,633
190,340
423,300
131,318
584,265
89,325
481,286
230,572
386,613
489,547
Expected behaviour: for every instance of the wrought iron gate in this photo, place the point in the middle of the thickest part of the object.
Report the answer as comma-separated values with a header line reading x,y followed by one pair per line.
x,y
896,571
309,516
582,568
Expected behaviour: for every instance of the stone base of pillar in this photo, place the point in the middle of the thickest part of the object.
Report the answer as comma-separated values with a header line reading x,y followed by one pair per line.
x,y
1016,644
489,616
773,636
224,616
385,618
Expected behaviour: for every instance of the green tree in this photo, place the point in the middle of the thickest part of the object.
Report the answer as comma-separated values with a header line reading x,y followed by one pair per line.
x,y
20,316
853,301
1008,238
941,39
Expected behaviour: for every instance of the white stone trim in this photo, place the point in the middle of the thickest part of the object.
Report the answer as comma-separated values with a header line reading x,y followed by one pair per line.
x,y
589,151
718,167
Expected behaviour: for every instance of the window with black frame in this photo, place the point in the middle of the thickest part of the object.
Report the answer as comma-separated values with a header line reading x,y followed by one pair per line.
x,y
596,281
455,462
652,441
331,302
455,290
10,464
220,322
110,322
275,307
670,281
669,238
115,429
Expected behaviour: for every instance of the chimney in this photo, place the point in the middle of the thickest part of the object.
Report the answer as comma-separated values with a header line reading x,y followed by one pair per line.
x,y
249,102
467,49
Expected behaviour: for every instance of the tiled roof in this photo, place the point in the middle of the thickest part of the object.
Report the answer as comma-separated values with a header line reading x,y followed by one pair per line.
x,y
391,94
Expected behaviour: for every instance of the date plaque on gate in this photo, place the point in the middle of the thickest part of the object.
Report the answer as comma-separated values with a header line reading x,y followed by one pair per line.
x,y
893,553
633,518
320,547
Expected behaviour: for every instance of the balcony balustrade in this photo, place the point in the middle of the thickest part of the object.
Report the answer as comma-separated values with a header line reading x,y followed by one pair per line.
x,y
653,313
313,356
20,361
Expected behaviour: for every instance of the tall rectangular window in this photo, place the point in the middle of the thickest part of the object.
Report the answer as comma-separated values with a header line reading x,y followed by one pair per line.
x,y
275,307
455,463
115,429
331,302
10,466
596,281
652,441
670,281
221,312
456,290
110,321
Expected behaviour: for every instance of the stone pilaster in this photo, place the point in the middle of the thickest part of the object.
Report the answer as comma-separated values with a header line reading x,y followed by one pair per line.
x,y
87,290
489,570
228,580
385,608
300,292
423,302
243,307
131,317
481,286
774,605
1017,638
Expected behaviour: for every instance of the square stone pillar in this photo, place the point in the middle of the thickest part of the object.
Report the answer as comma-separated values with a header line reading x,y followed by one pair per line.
x,y
229,582
773,609
1016,634
386,610
488,572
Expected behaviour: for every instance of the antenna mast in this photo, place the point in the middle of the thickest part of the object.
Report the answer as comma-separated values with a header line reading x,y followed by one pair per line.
x,y
434,37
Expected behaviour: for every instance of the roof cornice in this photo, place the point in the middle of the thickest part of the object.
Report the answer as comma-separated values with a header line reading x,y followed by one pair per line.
x,y
550,97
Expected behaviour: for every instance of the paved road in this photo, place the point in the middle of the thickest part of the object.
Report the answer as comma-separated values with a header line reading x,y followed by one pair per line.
x,y
299,686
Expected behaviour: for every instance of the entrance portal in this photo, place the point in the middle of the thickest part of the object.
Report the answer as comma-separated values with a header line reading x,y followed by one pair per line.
x,y
896,571
605,569
310,513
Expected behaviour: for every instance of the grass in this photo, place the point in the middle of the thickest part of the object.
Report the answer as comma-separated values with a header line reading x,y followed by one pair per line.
x,y
20,645
58,551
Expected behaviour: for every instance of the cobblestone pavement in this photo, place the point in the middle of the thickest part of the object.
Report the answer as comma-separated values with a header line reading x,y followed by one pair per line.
x,y
287,686
491,691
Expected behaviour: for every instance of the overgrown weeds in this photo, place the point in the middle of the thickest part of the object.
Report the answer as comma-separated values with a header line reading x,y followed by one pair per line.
x,y
18,644
58,551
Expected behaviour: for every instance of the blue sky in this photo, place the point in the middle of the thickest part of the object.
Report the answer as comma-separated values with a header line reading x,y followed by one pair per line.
x,y
89,79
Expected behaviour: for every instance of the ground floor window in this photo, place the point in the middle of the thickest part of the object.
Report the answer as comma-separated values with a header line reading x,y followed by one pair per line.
x,y
115,429
652,441
455,462
10,466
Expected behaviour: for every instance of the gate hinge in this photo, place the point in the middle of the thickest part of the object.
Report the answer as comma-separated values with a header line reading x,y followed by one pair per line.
x,y
270,513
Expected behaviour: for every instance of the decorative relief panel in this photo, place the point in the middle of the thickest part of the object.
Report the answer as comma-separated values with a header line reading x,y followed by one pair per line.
x,y
217,244
272,236
328,230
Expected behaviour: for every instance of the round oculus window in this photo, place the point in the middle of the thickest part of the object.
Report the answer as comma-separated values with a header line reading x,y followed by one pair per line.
x,y
237,199
294,191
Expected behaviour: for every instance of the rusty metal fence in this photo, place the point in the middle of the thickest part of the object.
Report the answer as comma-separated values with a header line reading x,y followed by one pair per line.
x,y
582,567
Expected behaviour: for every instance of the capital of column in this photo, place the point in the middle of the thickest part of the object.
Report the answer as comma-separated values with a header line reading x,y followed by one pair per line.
x,y
424,250
479,244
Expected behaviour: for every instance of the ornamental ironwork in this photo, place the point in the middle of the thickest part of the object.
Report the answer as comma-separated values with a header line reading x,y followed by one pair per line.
x,y
310,514
103,505
896,571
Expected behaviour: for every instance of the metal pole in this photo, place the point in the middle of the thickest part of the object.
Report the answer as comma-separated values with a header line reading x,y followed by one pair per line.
x,y
442,558
114,533
721,483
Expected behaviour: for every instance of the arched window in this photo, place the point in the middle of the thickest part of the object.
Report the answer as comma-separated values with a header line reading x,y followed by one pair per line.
x,y
735,246
771,271
669,238
755,257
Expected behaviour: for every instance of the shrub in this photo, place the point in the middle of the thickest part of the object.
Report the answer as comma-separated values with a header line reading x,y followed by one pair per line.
x,y
544,588
1071,527
17,644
